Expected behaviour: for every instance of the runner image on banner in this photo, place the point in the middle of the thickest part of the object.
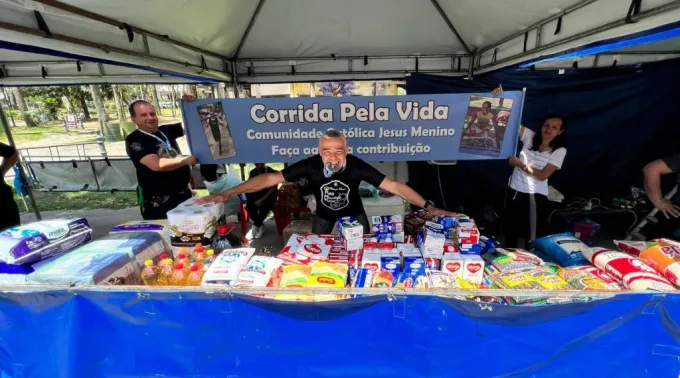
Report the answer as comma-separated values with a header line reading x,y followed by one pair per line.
x,y
217,132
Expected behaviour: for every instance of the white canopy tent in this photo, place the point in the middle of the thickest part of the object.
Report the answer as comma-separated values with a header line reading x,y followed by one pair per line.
x,y
305,40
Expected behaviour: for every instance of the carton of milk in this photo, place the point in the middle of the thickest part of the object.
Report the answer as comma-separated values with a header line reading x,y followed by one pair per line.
x,y
473,269
391,261
387,223
452,263
433,244
371,259
413,261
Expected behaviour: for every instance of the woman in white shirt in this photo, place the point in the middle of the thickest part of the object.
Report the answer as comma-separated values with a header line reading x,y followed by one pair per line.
x,y
526,202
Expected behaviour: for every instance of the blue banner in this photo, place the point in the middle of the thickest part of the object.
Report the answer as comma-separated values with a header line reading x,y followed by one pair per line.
x,y
385,128
125,333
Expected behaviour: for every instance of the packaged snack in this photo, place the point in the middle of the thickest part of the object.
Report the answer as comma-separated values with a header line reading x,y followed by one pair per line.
x,y
518,281
487,244
295,275
505,263
582,280
608,280
633,247
441,280
327,275
473,269
664,257
452,263
563,248
549,280
383,279
227,266
628,270
519,254
261,271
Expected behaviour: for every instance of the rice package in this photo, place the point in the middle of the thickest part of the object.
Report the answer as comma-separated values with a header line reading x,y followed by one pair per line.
x,y
40,240
563,248
227,266
633,247
325,274
664,257
261,271
628,270
112,259
608,280
582,280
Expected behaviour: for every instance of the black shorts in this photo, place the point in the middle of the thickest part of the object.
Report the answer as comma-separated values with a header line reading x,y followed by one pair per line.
x,y
157,207
325,226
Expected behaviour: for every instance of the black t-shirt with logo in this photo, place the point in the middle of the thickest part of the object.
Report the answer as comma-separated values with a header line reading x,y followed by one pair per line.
x,y
337,196
138,145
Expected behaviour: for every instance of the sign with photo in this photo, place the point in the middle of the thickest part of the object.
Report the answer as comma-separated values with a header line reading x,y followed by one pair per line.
x,y
381,128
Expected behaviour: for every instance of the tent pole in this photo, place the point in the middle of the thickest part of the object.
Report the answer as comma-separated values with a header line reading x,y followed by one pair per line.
x,y
471,61
234,79
450,25
8,132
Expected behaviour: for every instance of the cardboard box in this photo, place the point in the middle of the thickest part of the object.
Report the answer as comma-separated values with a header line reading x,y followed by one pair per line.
x,y
371,260
452,263
390,261
473,269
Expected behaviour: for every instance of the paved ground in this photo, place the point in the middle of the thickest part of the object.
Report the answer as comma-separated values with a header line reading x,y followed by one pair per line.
x,y
101,221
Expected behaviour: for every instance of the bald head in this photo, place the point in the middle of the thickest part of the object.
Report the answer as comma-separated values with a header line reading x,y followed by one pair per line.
x,y
333,147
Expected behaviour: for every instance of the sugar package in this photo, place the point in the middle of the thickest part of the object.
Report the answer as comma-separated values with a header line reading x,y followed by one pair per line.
x,y
261,271
40,240
192,223
628,270
563,248
473,269
227,266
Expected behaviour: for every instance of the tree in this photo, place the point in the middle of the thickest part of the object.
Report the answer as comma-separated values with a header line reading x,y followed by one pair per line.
x,y
120,109
21,104
82,95
154,98
50,98
99,104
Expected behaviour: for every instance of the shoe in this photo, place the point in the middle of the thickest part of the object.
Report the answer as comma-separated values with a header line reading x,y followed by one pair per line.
x,y
252,233
260,232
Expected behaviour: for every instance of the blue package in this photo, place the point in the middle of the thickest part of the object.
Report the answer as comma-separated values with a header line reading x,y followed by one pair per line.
x,y
363,278
434,227
470,249
384,228
488,244
404,280
564,249
447,222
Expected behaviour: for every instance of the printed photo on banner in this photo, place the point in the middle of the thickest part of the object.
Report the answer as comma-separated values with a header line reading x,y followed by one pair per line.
x,y
485,122
217,131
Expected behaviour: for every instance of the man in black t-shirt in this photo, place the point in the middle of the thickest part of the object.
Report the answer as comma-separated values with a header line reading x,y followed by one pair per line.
x,y
260,203
9,211
334,178
163,174
215,130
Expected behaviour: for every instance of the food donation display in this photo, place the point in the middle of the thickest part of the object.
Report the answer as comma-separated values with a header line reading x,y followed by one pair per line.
x,y
444,255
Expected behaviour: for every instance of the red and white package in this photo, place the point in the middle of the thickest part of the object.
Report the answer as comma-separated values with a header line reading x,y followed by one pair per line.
x,y
314,250
452,263
370,243
628,270
371,260
289,254
450,246
609,281
632,247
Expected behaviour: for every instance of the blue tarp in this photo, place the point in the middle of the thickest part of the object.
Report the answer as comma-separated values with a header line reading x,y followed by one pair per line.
x,y
82,333
620,118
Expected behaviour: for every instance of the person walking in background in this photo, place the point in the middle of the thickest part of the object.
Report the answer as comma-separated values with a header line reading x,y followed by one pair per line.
x,y
260,203
526,200
215,130
9,211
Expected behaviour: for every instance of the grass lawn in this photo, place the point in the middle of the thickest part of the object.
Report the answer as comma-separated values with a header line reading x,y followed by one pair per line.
x,y
49,201
30,134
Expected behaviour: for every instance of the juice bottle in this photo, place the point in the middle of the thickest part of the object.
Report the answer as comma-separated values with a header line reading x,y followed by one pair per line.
x,y
209,259
195,276
151,273
166,272
179,276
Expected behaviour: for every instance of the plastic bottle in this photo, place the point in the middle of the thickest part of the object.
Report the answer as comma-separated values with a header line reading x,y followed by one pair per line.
x,y
198,249
195,276
150,273
166,272
199,255
183,258
209,259
221,242
179,276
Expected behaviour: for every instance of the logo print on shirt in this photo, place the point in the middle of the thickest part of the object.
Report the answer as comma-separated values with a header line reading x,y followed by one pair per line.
x,y
335,195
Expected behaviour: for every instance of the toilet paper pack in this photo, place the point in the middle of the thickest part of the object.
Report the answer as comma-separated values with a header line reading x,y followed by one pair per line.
x,y
192,223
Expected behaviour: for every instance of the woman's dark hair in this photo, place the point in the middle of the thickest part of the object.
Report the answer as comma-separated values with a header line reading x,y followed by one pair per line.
x,y
559,141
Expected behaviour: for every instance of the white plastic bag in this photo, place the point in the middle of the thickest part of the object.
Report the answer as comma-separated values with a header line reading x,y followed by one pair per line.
x,y
226,181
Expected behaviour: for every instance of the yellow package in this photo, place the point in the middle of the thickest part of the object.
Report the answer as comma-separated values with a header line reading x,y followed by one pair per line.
x,y
325,274
549,280
582,280
295,276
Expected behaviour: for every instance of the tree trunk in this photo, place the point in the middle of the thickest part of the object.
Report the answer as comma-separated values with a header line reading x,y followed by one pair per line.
x,y
174,100
119,107
99,104
154,99
21,104
83,106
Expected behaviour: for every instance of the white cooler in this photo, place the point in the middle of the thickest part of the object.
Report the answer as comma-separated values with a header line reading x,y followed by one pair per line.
x,y
384,206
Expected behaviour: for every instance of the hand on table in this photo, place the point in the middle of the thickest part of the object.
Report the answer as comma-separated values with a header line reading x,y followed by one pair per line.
x,y
214,198
439,212
668,208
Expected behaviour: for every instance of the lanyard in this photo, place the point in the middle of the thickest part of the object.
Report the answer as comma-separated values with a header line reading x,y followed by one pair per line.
x,y
165,142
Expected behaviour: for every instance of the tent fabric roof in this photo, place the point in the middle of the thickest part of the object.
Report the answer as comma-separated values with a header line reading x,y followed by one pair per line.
x,y
306,40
